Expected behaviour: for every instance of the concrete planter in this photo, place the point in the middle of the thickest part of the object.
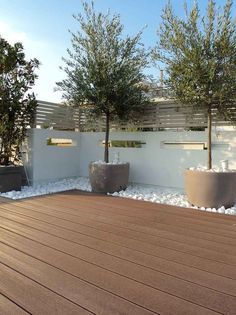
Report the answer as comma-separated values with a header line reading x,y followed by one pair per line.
x,y
10,178
210,189
108,178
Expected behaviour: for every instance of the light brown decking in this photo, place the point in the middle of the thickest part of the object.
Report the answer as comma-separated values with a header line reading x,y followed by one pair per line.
x,y
81,253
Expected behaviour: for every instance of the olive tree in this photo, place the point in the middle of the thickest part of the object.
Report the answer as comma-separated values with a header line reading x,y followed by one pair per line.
x,y
199,55
17,104
104,68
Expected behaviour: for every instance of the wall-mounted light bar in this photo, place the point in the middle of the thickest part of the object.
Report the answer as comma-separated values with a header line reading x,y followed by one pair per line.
x,y
125,143
184,145
59,142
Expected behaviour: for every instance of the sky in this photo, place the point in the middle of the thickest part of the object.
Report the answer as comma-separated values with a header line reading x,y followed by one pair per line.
x,y
42,26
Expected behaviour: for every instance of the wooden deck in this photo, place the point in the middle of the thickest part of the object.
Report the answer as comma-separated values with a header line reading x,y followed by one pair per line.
x,y
80,253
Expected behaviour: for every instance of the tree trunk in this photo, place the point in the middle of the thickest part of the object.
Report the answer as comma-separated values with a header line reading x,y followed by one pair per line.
x,y
106,151
209,125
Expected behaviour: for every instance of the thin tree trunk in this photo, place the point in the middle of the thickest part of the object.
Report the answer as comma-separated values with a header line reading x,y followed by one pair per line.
x,y
209,125
106,151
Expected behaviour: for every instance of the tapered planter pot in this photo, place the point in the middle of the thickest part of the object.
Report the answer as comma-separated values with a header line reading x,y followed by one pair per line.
x,y
210,189
108,178
10,178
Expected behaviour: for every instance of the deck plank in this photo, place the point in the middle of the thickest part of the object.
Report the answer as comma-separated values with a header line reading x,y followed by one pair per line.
x,y
120,206
148,225
72,288
7,307
186,215
168,237
97,263
81,247
33,297
135,292
162,218
91,253
105,257
146,243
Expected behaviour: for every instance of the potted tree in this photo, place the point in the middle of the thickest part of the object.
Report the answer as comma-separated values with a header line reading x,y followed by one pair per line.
x,y
104,72
200,59
17,108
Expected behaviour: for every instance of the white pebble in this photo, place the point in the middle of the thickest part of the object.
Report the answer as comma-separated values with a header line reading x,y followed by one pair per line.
x,y
154,194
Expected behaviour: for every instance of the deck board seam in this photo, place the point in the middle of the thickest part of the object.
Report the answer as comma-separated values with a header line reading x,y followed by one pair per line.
x,y
118,226
155,236
78,192
179,251
90,283
170,209
86,260
145,253
42,285
112,255
14,302
83,280
97,204
120,274
72,210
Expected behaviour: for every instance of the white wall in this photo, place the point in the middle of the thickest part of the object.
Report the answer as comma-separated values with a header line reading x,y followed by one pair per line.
x,y
151,164
44,162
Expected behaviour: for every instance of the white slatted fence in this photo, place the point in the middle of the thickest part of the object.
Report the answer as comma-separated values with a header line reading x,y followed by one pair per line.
x,y
161,114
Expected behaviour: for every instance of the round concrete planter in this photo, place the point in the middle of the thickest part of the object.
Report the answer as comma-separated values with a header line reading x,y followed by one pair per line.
x,y
10,178
108,178
210,189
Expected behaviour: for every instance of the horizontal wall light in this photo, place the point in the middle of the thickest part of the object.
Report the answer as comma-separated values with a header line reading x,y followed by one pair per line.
x,y
184,145
59,142
125,143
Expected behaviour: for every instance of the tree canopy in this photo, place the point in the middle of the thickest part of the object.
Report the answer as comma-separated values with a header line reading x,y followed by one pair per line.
x,y
17,105
199,56
104,68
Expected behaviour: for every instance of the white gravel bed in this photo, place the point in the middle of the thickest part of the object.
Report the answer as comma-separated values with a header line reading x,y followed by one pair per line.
x,y
169,196
150,193
46,188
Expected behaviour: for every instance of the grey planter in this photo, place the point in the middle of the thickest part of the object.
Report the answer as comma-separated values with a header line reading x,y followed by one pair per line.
x,y
10,178
210,189
108,178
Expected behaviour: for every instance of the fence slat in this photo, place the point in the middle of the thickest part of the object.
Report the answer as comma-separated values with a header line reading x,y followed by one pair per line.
x,y
163,114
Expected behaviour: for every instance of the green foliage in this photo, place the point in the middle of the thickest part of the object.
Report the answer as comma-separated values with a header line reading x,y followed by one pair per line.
x,y
104,69
17,106
126,144
49,142
199,55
